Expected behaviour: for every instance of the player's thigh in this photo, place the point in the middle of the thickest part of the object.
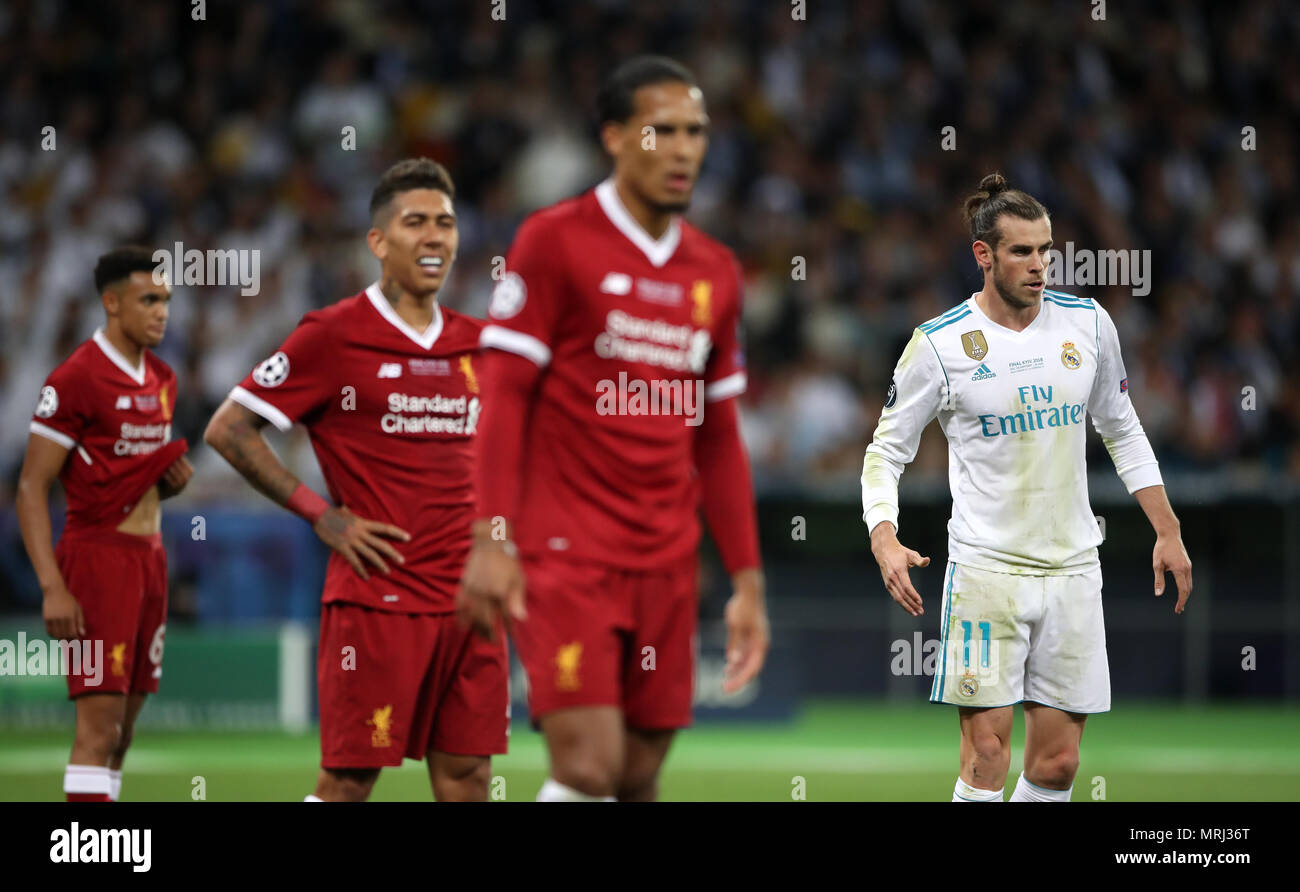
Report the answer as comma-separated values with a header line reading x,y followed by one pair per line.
x,y
573,642
369,671
987,730
659,665
984,633
1052,733
1067,666
146,669
469,688
109,582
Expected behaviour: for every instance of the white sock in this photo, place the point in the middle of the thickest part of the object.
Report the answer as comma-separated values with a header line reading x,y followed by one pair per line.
x,y
1028,792
114,783
312,797
86,779
554,791
964,792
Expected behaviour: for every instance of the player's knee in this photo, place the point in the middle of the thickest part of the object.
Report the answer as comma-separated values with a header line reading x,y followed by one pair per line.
x,y
589,773
1055,771
990,748
463,780
639,786
346,785
99,741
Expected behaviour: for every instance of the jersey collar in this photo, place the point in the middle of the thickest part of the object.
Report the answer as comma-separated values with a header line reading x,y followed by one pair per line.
x,y
1030,329
657,251
425,338
115,356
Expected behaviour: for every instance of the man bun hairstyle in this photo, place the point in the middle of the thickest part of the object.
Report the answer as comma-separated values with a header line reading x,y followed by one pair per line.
x,y
993,198
119,263
405,175
617,97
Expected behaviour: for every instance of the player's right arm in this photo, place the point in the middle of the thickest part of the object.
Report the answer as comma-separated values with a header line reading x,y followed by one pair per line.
x,y
517,348
292,384
916,394
41,466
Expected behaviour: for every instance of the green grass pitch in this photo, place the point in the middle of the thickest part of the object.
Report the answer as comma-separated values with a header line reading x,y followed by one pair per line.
x,y
843,750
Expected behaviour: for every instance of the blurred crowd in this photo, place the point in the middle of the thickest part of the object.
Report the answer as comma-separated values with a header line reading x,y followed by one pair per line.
x,y
1171,127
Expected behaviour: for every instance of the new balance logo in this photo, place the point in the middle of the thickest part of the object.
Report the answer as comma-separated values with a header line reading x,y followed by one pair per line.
x,y
123,402
983,372
390,370
616,283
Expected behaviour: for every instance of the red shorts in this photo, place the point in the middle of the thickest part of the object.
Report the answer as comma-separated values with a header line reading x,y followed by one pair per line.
x,y
120,581
396,685
598,635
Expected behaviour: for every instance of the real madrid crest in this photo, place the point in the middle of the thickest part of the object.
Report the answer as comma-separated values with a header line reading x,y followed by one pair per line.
x,y
1070,357
969,686
974,344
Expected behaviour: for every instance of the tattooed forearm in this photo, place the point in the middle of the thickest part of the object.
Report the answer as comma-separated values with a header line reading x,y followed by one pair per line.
x,y
236,434
252,457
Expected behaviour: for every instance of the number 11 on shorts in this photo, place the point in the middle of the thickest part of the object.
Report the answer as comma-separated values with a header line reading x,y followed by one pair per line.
x,y
985,634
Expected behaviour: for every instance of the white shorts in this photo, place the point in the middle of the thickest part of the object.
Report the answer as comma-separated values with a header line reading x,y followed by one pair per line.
x,y
1007,639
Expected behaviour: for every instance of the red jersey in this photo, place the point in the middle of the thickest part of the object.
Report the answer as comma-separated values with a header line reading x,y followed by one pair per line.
x,y
634,336
116,419
391,413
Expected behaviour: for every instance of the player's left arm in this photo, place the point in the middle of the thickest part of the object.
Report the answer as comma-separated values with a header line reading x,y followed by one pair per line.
x,y
727,497
1116,420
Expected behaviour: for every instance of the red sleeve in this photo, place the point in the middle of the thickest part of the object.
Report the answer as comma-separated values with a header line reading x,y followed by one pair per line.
x,y
294,381
507,383
727,492
724,376
61,412
526,303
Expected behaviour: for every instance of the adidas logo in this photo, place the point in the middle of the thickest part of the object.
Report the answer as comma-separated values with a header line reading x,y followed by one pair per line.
x,y
983,372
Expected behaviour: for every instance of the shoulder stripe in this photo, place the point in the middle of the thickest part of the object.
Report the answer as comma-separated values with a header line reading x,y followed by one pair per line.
x,y
1072,305
931,329
945,314
1066,298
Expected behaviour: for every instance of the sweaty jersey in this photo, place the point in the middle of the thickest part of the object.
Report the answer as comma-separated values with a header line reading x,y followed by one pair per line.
x,y
1013,406
391,413
634,336
116,420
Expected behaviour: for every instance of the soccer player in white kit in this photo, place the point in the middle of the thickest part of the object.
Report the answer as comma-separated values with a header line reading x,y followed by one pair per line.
x,y
1010,373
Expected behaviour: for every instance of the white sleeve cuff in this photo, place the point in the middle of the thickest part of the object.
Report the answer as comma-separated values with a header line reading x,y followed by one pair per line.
x,y
725,388
254,403
878,514
1142,476
50,433
511,341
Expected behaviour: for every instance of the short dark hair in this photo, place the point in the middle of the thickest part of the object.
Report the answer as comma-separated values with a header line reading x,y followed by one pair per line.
x,y
617,97
119,263
408,174
994,198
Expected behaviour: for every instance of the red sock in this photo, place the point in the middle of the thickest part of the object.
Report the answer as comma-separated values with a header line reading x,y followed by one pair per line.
x,y
87,797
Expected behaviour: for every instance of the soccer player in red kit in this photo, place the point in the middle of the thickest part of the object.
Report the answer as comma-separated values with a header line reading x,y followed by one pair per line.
x,y
103,427
387,384
610,420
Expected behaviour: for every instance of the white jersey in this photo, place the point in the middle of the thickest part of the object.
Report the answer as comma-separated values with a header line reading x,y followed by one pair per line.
x,y
1012,405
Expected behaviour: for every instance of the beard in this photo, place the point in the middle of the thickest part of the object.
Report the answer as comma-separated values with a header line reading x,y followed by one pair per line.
x,y
1006,292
